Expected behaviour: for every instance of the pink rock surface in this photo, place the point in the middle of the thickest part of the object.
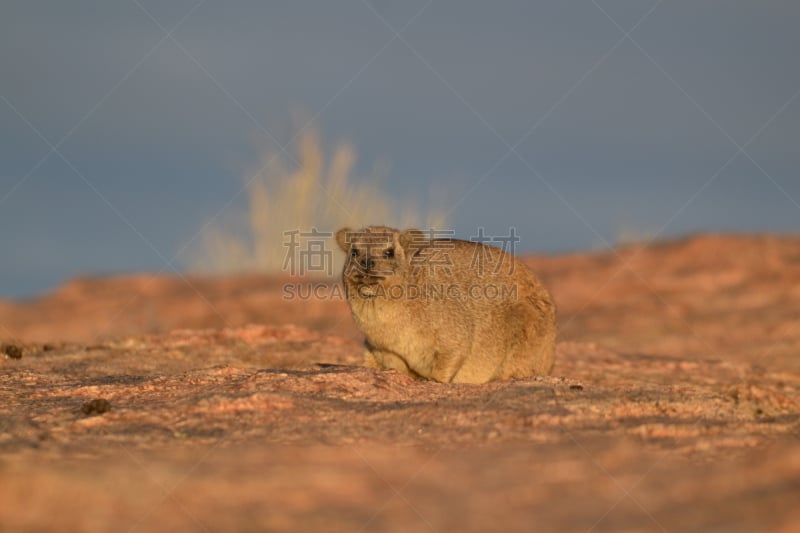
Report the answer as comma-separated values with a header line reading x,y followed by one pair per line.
x,y
674,405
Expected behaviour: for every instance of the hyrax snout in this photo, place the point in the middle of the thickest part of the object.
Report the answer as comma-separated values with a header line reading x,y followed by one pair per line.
x,y
446,309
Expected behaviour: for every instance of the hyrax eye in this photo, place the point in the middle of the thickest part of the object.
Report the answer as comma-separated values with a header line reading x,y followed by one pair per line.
x,y
353,252
389,253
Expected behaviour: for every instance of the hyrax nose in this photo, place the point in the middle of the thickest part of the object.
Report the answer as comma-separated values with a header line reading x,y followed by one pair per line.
x,y
369,264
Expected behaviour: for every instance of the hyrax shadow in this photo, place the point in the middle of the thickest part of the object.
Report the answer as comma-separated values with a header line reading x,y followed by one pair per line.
x,y
446,309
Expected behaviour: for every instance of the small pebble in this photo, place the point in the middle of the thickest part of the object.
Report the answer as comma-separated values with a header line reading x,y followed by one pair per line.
x,y
13,351
96,407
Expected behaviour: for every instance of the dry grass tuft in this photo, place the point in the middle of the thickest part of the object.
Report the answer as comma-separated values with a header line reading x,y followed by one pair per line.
x,y
310,193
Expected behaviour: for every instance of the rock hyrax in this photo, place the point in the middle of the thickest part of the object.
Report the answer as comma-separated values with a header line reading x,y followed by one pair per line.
x,y
445,309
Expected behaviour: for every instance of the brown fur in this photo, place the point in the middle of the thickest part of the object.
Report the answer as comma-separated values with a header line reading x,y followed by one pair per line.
x,y
445,309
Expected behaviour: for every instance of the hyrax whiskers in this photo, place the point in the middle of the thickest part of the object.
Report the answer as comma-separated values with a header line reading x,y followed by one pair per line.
x,y
446,309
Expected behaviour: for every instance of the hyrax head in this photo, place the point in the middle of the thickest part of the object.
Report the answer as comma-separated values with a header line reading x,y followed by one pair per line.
x,y
377,256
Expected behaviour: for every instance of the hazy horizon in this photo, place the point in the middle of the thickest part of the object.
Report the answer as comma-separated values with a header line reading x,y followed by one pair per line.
x,y
120,140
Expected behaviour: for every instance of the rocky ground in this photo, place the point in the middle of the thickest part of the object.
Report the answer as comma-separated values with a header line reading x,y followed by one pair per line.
x,y
157,403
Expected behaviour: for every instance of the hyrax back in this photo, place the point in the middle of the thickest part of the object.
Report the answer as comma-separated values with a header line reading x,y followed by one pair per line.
x,y
445,309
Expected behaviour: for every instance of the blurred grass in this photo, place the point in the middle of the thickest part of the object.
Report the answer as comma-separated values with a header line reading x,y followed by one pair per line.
x,y
634,236
311,192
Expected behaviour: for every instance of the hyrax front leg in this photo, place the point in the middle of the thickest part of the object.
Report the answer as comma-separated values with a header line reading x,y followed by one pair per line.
x,y
370,361
383,360
446,366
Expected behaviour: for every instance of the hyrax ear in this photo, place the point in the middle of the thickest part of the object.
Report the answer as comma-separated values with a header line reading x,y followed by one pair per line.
x,y
411,240
343,238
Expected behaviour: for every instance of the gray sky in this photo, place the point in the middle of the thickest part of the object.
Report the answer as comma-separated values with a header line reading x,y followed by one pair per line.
x,y
610,133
